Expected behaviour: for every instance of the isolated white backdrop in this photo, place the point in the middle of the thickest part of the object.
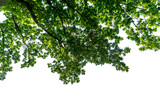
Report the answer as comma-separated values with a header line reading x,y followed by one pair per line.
x,y
100,85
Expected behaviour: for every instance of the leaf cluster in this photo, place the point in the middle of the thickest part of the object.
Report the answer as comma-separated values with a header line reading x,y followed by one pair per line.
x,y
70,32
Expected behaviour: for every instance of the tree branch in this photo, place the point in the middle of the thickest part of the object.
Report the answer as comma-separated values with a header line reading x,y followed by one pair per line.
x,y
3,45
18,29
29,7
75,10
55,9
131,5
129,17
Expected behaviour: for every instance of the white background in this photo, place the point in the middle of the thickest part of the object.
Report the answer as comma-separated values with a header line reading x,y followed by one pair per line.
x,y
100,85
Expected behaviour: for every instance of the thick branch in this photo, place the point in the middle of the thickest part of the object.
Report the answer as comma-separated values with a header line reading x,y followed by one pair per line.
x,y
29,7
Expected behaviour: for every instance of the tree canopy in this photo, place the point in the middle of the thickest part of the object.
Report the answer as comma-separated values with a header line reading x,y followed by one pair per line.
x,y
70,32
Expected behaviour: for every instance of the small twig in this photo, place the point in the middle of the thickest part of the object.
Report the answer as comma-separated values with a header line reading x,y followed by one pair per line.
x,y
20,32
3,45
132,5
18,29
55,10
76,10
129,17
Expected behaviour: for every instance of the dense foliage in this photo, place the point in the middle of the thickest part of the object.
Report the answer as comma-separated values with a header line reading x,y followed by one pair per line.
x,y
70,32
